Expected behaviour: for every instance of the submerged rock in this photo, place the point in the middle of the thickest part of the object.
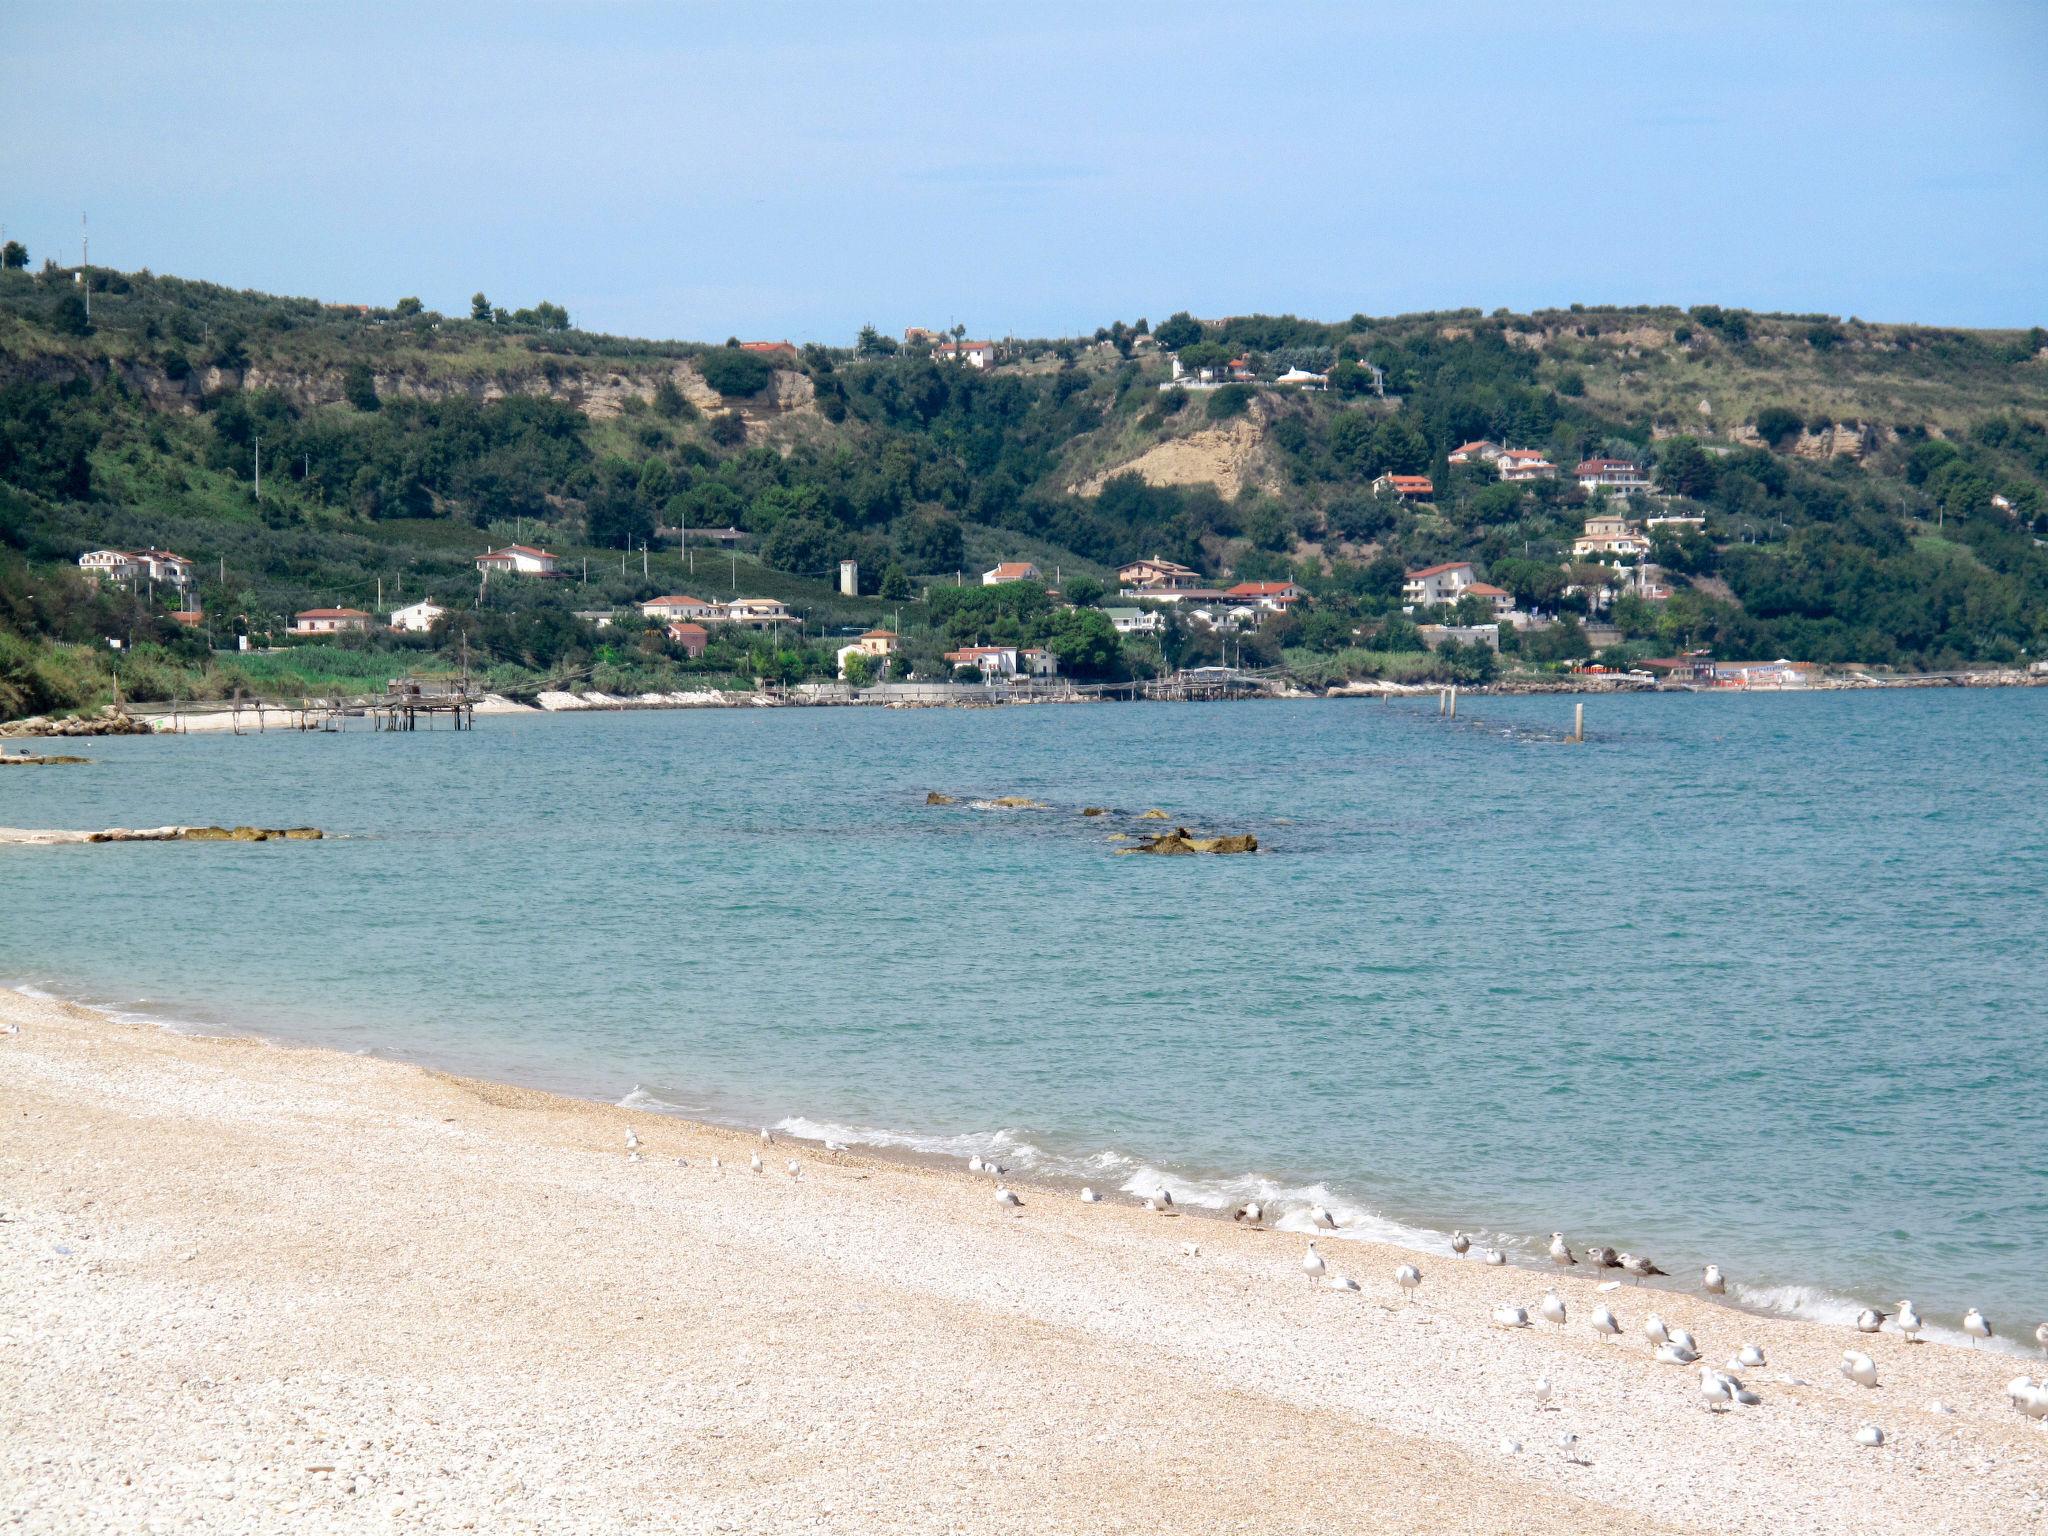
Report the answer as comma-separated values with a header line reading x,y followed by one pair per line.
x,y
35,759
1180,840
935,798
1095,810
1017,803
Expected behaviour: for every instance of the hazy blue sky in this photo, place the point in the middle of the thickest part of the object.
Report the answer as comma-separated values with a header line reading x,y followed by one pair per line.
x,y
785,169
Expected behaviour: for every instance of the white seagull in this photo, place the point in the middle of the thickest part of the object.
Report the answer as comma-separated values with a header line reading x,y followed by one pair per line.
x,y
1870,1435
1750,1356
1909,1322
1319,1217
1976,1326
1683,1338
1250,1211
1495,1257
1540,1389
1717,1389
1312,1264
716,1165
1675,1354
1511,1317
1653,1326
1869,1320
1166,1205
1859,1367
1568,1443
1551,1308
1639,1266
754,1162
1088,1195
1341,1283
632,1139
794,1167
1560,1250
1715,1282
1460,1244
1005,1196
974,1163
1604,1321
766,1139
1408,1277
2041,1335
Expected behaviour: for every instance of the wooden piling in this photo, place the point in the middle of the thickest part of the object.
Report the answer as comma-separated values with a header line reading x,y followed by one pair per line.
x,y
1578,724
1454,702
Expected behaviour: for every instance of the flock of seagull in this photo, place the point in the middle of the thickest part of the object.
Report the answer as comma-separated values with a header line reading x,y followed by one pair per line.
x,y
1720,1388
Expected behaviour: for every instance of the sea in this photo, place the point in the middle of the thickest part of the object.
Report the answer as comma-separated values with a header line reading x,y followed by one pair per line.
x,y
1759,979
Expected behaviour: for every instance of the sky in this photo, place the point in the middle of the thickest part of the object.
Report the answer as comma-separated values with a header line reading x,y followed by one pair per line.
x,y
798,170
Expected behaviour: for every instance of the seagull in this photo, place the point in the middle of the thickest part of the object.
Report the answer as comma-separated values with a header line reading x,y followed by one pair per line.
x,y
2030,1398
1495,1257
1869,1320
1675,1354
766,1139
2041,1335
1641,1268
1715,1282
794,1167
1250,1211
1603,1258
1551,1308
1312,1264
1683,1338
1560,1250
1511,1317
1751,1356
1341,1283
1909,1322
1319,1216
1510,1447
1003,1196
1540,1389
1603,1321
1976,1326
1088,1195
974,1163
1870,1435
1717,1389
834,1146
1653,1325
1859,1367
632,1140
754,1162
1408,1277
1166,1205
716,1165
1568,1443
1460,1244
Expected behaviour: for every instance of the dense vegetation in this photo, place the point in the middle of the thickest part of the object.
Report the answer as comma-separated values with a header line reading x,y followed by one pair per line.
x,y
1870,494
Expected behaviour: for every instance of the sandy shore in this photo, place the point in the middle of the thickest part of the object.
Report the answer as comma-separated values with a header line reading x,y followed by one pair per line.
x,y
250,1288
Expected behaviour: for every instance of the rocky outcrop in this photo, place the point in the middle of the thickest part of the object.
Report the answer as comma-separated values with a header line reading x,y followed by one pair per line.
x,y
111,721
35,837
1225,457
1180,840
37,759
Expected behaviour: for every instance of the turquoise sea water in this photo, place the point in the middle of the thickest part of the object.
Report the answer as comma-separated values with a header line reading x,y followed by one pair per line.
x,y
1754,979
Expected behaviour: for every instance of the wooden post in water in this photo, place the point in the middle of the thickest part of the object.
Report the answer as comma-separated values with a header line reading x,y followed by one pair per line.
x,y
1454,701
1578,725
1440,703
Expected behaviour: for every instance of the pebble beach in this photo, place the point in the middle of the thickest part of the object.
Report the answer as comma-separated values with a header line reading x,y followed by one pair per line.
x,y
245,1287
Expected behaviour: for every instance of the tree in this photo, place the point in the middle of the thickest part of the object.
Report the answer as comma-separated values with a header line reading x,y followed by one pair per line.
x,y
1685,469
1177,330
1085,643
1231,400
13,256
728,429
68,316
479,307
359,387
407,307
930,542
872,343
896,584
1084,591
858,668
734,373
1776,423
806,546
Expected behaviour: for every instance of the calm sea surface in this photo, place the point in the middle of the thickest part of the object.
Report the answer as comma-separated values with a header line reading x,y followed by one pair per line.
x,y
1761,979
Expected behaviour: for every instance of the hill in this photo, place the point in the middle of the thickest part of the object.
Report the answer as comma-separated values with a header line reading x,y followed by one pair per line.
x,y
1866,493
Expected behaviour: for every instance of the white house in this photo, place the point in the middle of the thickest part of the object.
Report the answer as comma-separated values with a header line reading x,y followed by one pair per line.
x,y
1157,576
992,661
753,613
1480,452
1135,621
1519,464
130,565
1010,570
1623,477
110,564
523,559
1610,536
419,618
1273,596
1435,584
330,621
975,354
678,607
1502,602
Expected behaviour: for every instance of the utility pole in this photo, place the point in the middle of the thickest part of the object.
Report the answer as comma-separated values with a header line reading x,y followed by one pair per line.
x,y
735,573
85,264
643,559
259,466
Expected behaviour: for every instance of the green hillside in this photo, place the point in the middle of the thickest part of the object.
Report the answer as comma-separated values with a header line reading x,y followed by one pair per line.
x,y
1871,493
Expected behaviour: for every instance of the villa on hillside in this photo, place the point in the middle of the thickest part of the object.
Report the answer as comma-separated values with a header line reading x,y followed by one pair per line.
x,y
1623,477
419,618
678,607
1480,452
1435,584
1502,602
778,349
1520,464
1274,596
1407,487
975,354
1010,570
1152,577
330,621
132,565
520,559
1135,621
692,638
753,613
1610,536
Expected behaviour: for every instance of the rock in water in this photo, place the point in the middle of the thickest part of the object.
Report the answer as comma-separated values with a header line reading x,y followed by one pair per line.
x,y
1180,840
935,798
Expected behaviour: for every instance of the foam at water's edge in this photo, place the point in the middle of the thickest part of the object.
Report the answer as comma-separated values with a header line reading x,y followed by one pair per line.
x,y
120,1014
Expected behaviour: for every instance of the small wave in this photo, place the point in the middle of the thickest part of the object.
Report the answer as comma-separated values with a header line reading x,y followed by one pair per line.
x,y
1005,1145
136,1013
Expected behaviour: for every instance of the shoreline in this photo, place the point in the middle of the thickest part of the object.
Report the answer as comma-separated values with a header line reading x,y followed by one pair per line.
x,y
264,1265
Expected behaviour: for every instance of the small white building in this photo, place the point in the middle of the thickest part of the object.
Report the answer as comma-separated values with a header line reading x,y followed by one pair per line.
x,y
1520,464
419,618
330,621
1302,378
1620,477
975,354
992,661
110,564
753,613
135,565
1480,452
1435,584
1610,536
520,559
1135,621
1011,570
678,607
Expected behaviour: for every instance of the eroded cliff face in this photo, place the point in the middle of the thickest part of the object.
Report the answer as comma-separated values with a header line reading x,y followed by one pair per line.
x,y
599,391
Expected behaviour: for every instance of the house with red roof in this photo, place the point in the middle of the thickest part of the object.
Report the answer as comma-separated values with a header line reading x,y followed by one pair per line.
x,y
677,608
1407,487
1435,584
1519,464
330,621
1620,477
1501,601
521,559
1479,452
1010,570
1274,596
975,354
691,637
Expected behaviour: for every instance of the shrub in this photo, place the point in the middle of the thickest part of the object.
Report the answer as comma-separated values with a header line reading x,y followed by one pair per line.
x,y
1776,423
1231,400
733,373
